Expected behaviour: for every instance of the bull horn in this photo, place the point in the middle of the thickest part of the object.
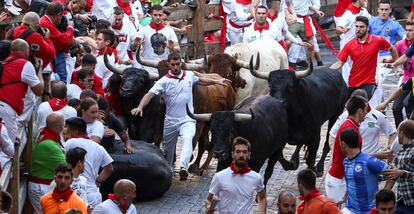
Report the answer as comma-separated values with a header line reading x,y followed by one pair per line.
x,y
199,117
109,66
239,117
193,67
153,77
149,63
253,69
307,72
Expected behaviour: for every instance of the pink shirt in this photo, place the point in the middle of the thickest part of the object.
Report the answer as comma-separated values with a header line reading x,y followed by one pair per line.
x,y
402,47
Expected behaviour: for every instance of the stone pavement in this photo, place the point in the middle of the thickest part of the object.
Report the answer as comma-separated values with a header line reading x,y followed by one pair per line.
x,y
188,196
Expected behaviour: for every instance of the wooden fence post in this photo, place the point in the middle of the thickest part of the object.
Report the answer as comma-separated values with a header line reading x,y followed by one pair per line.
x,y
197,30
15,181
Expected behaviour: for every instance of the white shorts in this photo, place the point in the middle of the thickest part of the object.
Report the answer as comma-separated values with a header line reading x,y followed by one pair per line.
x,y
9,117
335,188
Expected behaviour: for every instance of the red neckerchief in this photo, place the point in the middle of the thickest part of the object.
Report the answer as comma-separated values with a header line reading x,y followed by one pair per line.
x,y
47,134
57,104
373,211
261,28
125,6
123,208
244,170
79,84
244,1
80,136
356,124
169,75
109,50
312,194
117,27
272,17
155,27
62,196
354,10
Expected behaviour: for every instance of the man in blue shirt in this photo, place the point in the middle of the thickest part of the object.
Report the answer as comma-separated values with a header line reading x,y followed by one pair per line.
x,y
361,174
382,25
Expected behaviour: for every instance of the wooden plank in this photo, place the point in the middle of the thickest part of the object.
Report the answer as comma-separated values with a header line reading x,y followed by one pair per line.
x,y
15,181
196,35
179,12
212,24
211,9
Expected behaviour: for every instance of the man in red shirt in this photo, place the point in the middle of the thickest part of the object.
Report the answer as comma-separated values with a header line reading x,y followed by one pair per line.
x,y
363,51
335,186
30,21
61,40
18,75
340,9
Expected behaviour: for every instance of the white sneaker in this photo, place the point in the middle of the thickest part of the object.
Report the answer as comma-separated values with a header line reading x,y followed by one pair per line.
x,y
14,7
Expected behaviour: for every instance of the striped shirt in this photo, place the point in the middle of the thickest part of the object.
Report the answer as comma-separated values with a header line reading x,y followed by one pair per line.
x,y
405,161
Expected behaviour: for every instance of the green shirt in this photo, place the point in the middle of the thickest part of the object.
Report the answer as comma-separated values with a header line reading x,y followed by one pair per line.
x,y
46,156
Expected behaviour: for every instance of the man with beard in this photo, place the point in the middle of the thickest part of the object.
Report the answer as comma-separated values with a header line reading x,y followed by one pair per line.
x,y
177,88
62,197
363,51
233,188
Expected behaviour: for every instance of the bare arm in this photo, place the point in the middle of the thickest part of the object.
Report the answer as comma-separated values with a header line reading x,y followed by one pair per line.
x,y
261,196
105,173
403,59
394,53
144,102
410,17
394,95
391,139
337,65
253,6
389,184
207,203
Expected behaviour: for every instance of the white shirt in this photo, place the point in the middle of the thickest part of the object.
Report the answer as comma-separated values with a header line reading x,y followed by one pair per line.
x,y
103,9
177,94
235,193
74,91
78,186
100,69
301,7
137,10
161,51
109,207
95,129
29,75
347,20
251,35
96,157
6,145
125,36
238,13
44,110
373,125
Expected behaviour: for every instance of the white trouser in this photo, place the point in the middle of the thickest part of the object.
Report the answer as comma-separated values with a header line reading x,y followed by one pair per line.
x,y
35,192
335,188
9,116
185,128
381,74
29,105
235,35
346,70
299,53
346,211
94,198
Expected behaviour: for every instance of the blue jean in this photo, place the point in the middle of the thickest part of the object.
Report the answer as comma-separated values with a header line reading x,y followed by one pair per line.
x,y
59,66
403,209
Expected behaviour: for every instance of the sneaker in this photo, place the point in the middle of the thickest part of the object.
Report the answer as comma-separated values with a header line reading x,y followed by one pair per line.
x,y
183,174
320,63
15,7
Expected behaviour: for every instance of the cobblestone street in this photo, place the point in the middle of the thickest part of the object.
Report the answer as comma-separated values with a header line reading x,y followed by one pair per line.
x,y
188,196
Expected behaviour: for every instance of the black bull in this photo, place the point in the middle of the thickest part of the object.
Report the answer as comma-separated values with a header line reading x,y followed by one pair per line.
x,y
311,98
260,119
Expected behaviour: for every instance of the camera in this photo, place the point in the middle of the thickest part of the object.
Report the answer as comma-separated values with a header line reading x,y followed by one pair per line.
x,y
34,49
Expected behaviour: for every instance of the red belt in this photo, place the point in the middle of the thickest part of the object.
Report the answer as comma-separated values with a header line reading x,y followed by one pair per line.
x,y
308,26
238,26
40,180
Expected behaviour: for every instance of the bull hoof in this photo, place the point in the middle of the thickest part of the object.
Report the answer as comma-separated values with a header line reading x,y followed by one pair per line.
x,y
193,168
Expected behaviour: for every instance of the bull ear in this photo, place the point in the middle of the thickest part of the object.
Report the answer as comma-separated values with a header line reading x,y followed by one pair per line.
x,y
307,72
199,117
109,66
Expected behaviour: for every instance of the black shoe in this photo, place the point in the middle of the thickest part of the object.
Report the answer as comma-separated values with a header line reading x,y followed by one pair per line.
x,y
302,64
183,174
320,63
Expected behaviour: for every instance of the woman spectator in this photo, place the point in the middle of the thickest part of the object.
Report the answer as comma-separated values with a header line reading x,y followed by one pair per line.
x,y
89,113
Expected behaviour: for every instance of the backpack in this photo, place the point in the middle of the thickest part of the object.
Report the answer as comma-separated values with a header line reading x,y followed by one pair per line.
x,y
5,44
